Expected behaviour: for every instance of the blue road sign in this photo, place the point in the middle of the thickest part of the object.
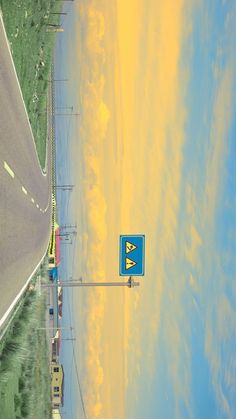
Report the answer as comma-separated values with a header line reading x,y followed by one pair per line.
x,y
132,248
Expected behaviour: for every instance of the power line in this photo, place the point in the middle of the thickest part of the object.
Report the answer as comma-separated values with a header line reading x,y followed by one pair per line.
x,y
77,369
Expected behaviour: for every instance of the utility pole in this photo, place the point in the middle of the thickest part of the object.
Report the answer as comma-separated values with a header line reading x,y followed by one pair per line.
x,y
53,80
58,13
130,284
54,28
67,241
64,187
64,226
68,338
66,238
65,107
55,327
53,25
66,234
76,279
66,114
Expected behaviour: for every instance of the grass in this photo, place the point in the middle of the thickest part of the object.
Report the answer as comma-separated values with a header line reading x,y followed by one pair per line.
x,y
24,362
26,22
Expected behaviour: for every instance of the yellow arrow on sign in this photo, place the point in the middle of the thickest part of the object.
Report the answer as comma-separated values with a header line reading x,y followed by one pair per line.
x,y
129,263
129,247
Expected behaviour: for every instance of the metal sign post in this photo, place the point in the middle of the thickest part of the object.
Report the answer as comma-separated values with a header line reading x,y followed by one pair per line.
x,y
130,284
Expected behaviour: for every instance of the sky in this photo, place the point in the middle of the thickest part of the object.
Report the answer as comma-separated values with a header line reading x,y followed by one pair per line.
x,y
153,153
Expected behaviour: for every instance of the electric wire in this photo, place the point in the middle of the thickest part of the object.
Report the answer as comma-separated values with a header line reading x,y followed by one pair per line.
x,y
76,365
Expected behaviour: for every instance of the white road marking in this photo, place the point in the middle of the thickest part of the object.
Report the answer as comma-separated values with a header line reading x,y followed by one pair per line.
x,y
8,169
6,166
4,317
24,190
12,174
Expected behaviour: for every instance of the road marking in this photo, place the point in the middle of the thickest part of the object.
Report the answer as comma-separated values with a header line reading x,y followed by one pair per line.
x,y
5,316
12,174
8,169
24,190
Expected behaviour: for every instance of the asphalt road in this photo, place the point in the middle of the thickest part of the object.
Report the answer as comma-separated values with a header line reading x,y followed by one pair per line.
x,y
25,192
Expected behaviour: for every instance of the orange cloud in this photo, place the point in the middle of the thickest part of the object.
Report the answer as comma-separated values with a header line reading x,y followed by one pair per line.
x,y
132,133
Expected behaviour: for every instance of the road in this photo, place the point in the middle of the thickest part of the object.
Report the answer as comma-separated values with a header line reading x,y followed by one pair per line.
x,y
25,192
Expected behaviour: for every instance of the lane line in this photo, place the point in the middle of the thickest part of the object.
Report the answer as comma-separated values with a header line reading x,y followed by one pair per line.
x,y
8,169
24,190
5,316
43,171
12,174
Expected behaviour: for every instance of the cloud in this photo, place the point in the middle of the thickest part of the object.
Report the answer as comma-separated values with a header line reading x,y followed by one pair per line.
x,y
194,241
94,122
95,372
153,137
132,129
222,117
194,285
221,317
148,149
220,321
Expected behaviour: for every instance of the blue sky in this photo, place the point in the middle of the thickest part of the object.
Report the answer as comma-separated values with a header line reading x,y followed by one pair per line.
x,y
164,126
208,365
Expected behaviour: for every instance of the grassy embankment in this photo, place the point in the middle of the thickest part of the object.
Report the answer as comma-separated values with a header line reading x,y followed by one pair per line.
x,y
32,47
24,361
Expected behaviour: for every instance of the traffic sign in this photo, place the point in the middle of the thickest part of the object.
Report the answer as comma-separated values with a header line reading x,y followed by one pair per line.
x,y
132,249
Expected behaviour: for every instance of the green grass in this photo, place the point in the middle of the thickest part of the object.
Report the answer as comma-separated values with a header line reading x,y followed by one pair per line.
x,y
24,363
32,47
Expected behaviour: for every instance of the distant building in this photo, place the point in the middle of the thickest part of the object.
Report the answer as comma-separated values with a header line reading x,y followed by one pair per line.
x,y
56,342
54,29
60,297
54,247
53,274
58,246
60,293
57,382
56,414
